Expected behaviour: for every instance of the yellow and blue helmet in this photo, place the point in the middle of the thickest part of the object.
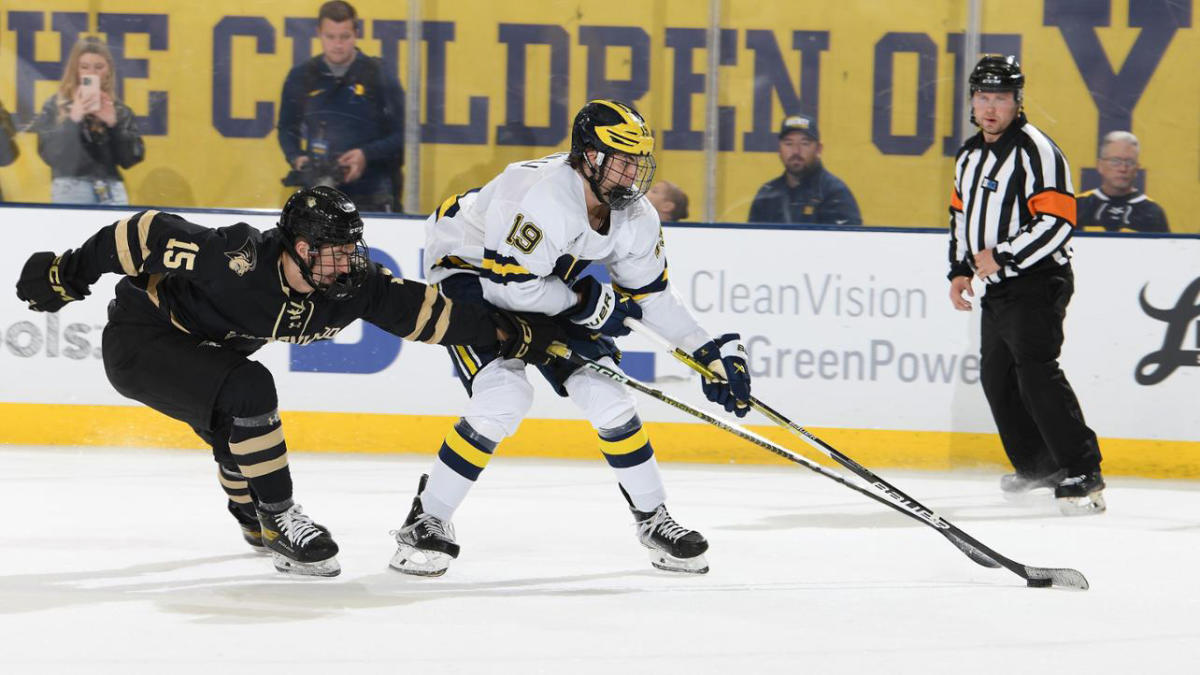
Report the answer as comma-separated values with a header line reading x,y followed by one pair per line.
x,y
612,128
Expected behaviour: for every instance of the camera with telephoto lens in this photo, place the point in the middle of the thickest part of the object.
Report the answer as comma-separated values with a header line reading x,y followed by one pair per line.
x,y
322,170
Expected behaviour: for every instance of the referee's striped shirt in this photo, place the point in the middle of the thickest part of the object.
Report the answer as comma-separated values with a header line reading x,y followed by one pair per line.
x,y
1014,195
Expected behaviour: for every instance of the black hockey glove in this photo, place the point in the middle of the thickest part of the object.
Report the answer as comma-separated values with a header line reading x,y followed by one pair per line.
x,y
42,284
528,336
602,310
726,356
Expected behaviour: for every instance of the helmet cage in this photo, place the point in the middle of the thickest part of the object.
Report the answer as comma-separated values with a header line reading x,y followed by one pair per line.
x,y
324,217
613,129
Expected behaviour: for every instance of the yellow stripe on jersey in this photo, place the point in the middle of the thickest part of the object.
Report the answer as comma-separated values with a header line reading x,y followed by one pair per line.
x,y
143,226
656,286
426,311
503,269
464,449
121,235
468,362
625,445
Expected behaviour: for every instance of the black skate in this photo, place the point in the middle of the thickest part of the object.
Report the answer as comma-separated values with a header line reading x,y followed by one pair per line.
x,y
297,544
1017,486
1081,495
247,518
425,543
673,548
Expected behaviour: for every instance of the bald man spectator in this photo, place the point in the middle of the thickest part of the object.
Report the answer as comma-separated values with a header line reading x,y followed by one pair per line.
x,y
670,202
1117,205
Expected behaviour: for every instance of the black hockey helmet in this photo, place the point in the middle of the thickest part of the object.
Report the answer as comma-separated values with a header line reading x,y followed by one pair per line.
x,y
995,72
613,128
323,216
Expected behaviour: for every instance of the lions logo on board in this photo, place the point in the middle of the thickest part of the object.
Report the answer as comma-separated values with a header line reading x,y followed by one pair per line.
x,y
244,259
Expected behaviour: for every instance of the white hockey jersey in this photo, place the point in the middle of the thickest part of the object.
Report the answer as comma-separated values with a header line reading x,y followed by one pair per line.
x,y
526,234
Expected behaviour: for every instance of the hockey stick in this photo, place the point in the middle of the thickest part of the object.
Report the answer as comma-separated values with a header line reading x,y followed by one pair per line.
x,y
560,350
1034,576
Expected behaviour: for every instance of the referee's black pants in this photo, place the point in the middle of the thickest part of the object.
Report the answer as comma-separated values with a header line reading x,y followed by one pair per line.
x,y
1036,412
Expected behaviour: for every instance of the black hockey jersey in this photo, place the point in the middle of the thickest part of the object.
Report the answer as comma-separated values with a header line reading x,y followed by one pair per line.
x,y
227,285
1132,212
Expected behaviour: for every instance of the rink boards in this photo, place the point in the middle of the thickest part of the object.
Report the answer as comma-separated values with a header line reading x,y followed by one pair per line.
x,y
850,333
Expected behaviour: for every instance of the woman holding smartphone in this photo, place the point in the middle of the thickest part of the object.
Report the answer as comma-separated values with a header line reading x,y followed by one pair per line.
x,y
85,133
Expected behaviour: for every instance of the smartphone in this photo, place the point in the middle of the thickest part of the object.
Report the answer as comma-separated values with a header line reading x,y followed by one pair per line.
x,y
89,84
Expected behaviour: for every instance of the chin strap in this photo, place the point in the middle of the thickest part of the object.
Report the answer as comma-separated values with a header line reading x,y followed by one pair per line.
x,y
305,268
593,181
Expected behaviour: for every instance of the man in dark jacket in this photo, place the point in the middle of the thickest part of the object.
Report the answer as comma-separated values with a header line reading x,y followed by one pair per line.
x,y
806,192
341,118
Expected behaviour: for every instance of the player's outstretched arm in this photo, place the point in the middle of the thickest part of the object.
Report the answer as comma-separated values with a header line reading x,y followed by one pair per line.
x,y
146,242
417,312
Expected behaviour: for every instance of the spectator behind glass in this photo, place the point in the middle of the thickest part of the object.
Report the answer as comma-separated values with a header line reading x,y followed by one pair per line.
x,y
806,192
349,115
670,202
85,133
8,145
1117,205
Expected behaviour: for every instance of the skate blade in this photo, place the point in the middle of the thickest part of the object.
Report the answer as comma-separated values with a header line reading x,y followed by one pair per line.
x,y
1092,504
323,568
420,563
669,563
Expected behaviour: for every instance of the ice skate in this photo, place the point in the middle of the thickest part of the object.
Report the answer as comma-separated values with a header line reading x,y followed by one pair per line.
x,y
672,547
425,544
247,518
1081,495
1017,487
297,544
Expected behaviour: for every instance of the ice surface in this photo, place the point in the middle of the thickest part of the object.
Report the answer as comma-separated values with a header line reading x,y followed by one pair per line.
x,y
122,561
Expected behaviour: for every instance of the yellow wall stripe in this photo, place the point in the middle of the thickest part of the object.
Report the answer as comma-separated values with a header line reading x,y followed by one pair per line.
x,y
134,426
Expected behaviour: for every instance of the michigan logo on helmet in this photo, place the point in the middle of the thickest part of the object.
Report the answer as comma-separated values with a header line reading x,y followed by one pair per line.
x,y
622,168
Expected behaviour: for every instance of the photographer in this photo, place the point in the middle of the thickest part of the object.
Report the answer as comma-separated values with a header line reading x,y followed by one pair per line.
x,y
85,133
341,117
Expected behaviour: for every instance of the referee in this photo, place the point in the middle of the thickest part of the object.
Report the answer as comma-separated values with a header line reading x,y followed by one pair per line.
x,y
1011,216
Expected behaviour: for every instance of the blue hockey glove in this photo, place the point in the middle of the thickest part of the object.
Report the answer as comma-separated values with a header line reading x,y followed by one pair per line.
x,y
726,356
602,310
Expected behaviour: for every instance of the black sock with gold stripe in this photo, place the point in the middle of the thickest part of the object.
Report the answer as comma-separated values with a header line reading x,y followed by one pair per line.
x,y
258,448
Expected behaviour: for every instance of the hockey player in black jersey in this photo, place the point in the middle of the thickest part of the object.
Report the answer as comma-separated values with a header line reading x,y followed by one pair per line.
x,y
196,302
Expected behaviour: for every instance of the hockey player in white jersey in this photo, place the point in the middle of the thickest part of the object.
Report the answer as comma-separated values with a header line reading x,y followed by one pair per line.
x,y
520,243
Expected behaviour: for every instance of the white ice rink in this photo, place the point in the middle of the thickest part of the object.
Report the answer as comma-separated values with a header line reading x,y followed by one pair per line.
x,y
124,561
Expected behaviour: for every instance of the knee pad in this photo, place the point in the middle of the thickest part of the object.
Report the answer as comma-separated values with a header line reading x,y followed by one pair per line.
x,y
605,403
501,397
248,391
